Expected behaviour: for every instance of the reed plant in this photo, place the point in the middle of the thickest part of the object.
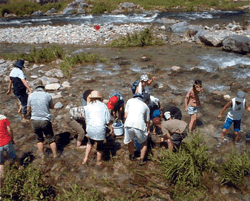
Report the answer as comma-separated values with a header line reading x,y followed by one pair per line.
x,y
46,54
25,183
144,38
236,167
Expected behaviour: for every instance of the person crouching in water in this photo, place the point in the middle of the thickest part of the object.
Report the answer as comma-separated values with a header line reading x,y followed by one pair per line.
x,y
237,106
97,116
192,102
173,130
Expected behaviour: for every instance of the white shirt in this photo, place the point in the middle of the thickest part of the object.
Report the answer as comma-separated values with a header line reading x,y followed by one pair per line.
x,y
17,72
236,111
138,114
97,116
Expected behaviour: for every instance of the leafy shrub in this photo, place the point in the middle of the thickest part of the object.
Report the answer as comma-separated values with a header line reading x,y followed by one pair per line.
x,y
100,7
46,54
235,168
25,183
144,38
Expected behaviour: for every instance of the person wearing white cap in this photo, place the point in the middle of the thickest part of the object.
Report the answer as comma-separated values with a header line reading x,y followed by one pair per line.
x,y
237,106
142,85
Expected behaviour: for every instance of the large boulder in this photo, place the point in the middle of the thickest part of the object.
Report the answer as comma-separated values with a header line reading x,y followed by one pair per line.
x,y
236,43
51,11
212,38
180,27
37,13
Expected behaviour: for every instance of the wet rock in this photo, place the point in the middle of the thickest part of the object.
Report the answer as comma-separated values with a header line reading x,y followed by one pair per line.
x,y
179,27
193,29
213,38
68,11
54,86
58,105
37,13
51,11
236,43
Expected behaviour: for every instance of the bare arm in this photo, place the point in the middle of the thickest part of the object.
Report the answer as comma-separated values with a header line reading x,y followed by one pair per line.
x,y
150,81
187,98
9,87
224,109
246,107
26,84
10,132
148,126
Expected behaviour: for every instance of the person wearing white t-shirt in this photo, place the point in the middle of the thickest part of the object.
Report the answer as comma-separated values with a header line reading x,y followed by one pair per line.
x,y
18,80
137,125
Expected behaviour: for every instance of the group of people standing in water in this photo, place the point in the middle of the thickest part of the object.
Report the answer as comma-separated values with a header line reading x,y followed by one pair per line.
x,y
140,115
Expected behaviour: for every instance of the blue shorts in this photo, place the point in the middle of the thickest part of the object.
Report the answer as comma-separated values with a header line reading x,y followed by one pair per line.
x,y
192,110
229,122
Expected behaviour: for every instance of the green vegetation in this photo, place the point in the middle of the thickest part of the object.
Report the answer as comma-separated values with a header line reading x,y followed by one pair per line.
x,y
144,38
25,183
236,167
69,62
46,54
21,8
190,5
101,6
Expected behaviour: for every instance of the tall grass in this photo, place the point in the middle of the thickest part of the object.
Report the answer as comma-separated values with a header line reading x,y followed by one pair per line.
x,y
236,167
46,54
24,184
144,38
100,7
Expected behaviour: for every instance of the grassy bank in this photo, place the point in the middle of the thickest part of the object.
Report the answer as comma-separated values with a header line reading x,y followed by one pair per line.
x,y
185,175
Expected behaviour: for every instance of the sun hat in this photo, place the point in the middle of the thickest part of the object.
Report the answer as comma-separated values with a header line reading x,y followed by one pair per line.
x,y
144,78
112,101
157,121
38,83
146,97
19,63
240,96
95,94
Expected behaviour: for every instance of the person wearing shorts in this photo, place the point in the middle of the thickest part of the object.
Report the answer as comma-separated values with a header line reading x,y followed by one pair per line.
x,y
97,116
173,130
6,143
237,106
192,102
18,80
39,104
137,125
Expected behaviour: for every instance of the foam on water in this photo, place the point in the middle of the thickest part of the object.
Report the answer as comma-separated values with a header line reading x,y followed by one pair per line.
x,y
135,68
211,63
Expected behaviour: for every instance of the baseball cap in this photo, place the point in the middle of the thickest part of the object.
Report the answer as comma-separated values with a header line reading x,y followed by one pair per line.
x,y
156,113
144,78
112,101
240,96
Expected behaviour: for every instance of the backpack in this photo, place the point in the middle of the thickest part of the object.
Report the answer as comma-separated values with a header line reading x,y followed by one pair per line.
x,y
134,86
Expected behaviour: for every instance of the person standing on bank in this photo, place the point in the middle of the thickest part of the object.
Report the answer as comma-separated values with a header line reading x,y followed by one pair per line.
x,y
97,116
237,106
137,125
18,80
192,102
39,104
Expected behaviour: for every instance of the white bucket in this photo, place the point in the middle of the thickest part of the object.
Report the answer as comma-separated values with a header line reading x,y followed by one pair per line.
x,y
118,128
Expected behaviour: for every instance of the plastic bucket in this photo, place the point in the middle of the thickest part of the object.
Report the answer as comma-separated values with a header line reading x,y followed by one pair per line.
x,y
118,128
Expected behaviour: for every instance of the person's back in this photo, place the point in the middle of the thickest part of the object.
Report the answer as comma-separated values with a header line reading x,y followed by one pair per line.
x,y
136,111
16,76
40,102
97,116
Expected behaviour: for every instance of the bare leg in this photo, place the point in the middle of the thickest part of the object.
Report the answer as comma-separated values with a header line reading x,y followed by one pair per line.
x,y
192,123
19,108
54,149
88,150
131,148
170,144
237,136
40,148
144,149
223,133
99,157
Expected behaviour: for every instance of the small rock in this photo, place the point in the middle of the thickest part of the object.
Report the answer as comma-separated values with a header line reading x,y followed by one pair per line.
x,y
227,97
6,78
163,27
34,76
26,63
40,71
56,95
54,86
176,68
34,66
2,61
58,61
69,106
59,117
37,13
58,105
66,84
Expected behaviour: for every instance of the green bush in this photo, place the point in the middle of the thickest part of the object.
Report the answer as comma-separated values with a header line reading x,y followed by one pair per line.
x,y
24,184
233,171
46,54
144,38
100,7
